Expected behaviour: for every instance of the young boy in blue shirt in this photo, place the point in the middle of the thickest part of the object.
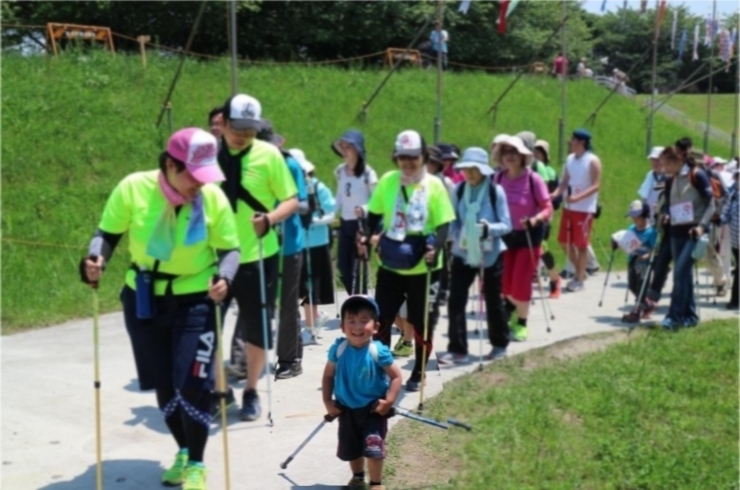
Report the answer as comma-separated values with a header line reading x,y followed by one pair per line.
x,y
365,383
639,260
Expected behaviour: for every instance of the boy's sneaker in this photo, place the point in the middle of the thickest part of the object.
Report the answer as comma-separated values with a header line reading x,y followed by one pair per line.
x,y
452,358
251,409
555,288
195,477
357,482
574,286
322,319
230,402
496,354
403,349
175,475
519,333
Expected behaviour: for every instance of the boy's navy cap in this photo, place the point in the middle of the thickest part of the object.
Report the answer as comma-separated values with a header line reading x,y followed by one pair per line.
x,y
358,300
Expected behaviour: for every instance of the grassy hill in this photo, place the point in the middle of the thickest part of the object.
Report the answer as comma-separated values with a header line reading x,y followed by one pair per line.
x,y
695,107
73,127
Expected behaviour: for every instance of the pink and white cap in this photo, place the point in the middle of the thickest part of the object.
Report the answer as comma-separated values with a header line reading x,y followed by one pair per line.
x,y
198,150
408,143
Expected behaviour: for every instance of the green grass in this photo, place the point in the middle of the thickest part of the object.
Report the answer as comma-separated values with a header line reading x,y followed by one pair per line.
x,y
695,108
74,126
656,412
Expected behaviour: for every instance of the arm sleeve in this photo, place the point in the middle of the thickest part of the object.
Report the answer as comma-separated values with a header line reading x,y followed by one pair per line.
x,y
228,263
104,244
704,188
646,186
503,226
440,236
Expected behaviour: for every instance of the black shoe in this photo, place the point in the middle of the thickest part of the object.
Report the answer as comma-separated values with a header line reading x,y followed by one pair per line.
x,y
413,384
732,306
567,275
251,409
288,370
633,317
230,402
593,271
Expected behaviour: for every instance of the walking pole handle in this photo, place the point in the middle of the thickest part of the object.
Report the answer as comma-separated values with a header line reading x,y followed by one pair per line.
x,y
94,284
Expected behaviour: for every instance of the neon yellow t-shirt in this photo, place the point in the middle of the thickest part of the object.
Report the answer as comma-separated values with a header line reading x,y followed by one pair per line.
x,y
266,176
439,209
135,207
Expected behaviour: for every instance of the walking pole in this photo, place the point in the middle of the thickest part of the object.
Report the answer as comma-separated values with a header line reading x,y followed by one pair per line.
x,y
606,280
627,294
539,279
221,381
279,289
641,295
426,334
96,384
478,321
327,419
314,333
263,300
334,282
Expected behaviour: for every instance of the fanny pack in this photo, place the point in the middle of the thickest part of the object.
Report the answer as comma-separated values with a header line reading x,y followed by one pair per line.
x,y
403,255
518,238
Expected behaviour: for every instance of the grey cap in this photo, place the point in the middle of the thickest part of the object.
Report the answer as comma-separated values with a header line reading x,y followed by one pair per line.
x,y
528,138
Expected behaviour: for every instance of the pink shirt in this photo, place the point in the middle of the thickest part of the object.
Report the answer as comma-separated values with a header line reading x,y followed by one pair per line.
x,y
453,175
559,65
522,203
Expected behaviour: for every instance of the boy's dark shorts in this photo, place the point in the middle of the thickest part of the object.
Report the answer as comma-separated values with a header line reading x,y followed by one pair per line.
x,y
361,434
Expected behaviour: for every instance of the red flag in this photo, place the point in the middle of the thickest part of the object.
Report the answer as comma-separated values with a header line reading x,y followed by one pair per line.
x,y
661,13
502,16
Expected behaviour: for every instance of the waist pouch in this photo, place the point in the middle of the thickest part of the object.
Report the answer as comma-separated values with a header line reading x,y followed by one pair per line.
x,y
146,305
403,255
518,238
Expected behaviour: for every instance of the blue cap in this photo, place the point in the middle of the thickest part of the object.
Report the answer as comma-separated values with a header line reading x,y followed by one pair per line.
x,y
360,300
583,135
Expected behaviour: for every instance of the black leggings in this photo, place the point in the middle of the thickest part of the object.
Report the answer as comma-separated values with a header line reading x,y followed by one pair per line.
x,y
188,416
391,291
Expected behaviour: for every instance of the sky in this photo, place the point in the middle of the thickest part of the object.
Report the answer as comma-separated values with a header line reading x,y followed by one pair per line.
x,y
698,7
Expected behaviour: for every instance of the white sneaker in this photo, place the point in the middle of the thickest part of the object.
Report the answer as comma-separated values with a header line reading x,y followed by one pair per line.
x,y
322,319
574,286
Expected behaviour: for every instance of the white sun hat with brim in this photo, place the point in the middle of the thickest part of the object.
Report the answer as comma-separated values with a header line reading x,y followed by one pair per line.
x,y
300,157
516,143
475,157
655,152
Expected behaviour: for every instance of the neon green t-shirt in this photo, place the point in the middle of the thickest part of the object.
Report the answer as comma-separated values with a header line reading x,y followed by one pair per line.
x,y
135,207
266,176
547,173
439,209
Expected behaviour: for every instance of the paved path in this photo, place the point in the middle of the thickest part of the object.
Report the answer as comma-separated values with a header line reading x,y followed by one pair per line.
x,y
48,438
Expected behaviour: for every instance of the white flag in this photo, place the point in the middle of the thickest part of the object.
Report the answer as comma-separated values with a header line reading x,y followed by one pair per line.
x,y
464,6
695,55
673,28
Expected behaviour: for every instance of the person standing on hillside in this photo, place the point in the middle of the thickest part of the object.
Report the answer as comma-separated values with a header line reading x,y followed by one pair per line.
x,y
185,253
216,122
560,66
256,179
580,183
439,39
356,181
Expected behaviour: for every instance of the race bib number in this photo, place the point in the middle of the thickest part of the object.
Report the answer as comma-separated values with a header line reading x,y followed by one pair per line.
x,y
397,231
627,240
682,213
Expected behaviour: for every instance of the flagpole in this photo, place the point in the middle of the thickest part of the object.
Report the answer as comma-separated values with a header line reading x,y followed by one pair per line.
x,y
563,92
438,119
652,91
709,89
232,10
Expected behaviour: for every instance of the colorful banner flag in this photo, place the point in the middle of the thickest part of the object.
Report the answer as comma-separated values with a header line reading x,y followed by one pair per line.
x,y
464,6
708,31
682,44
603,6
724,46
674,26
661,15
695,55
643,6
502,16
512,6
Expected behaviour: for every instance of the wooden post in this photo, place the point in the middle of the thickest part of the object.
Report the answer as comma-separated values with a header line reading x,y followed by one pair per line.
x,y
142,47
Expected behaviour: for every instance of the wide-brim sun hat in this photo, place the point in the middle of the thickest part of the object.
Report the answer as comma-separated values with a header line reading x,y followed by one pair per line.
x,y
300,157
544,146
475,157
515,143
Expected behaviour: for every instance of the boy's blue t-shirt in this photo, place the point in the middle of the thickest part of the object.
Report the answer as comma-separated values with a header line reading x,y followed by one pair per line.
x,y
358,379
648,237
293,240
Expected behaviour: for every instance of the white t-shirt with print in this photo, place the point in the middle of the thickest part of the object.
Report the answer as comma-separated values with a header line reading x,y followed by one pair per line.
x,y
353,191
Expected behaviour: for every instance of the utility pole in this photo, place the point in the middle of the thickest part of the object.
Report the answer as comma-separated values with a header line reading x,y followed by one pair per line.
x,y
562,153
709,89
232,38
438,119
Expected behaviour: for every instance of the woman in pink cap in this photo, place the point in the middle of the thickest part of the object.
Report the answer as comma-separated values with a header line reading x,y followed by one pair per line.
x,y
182,234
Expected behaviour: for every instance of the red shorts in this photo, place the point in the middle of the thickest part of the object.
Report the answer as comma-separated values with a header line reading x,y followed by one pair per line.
x,y
580,228
518,272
